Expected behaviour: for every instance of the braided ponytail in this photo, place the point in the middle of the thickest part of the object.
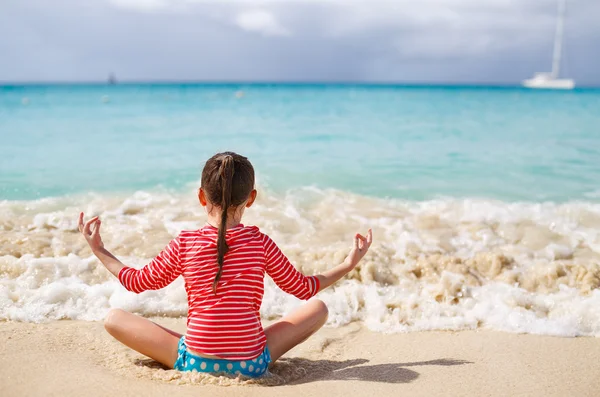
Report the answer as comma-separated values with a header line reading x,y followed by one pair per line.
x,y
226,172
228,181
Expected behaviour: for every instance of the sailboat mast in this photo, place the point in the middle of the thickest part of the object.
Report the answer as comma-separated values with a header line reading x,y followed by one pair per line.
x,y
560,27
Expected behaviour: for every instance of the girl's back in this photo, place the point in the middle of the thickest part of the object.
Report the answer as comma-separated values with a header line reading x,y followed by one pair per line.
x,y
226,322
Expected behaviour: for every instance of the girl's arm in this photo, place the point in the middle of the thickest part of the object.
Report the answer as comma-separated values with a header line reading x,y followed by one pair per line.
x,y
360,248
91,232
285,275
159,273
290,280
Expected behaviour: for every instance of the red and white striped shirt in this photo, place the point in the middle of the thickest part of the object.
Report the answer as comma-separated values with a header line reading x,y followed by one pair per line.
x,y
227,324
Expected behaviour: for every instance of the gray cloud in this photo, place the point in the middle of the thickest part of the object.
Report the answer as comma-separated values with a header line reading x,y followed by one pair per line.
x,y
498,41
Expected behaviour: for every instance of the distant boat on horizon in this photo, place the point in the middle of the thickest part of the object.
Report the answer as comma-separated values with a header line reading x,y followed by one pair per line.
x,y
112,79
550,80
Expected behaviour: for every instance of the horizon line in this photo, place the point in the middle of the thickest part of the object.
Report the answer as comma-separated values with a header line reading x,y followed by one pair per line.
x,y
273,82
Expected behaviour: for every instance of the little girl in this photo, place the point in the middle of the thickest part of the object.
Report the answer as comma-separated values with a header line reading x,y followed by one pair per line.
x,y
223,265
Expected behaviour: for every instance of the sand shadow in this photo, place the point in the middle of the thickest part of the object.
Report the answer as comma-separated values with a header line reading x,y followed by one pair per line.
x,y
319,370
150,363
298,370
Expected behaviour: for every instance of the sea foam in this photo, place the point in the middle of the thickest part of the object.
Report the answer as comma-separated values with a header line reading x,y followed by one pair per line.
x,y
446,264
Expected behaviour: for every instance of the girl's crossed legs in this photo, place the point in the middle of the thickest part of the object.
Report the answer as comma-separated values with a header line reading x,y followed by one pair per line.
x,y
161,344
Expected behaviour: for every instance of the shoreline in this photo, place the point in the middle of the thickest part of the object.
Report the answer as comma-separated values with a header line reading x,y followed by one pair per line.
x,y
76,357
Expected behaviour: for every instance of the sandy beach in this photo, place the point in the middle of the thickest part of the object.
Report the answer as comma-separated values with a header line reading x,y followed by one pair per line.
x,y
79,358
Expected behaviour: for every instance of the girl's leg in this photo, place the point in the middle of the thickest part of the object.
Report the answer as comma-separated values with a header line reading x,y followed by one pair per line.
x,y
295,328
144,336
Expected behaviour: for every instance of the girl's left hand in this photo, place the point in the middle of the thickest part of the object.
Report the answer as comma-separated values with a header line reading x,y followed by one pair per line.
x,y
92,235
361,246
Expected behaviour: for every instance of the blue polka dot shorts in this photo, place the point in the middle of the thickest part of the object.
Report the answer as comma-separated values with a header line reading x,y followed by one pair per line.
x,y
252,368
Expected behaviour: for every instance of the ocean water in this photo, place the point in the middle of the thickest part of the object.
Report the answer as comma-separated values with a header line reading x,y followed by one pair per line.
x,y
485,202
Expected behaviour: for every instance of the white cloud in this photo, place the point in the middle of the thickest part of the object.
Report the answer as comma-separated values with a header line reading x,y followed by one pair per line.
x,y
260,21
420,40
435,19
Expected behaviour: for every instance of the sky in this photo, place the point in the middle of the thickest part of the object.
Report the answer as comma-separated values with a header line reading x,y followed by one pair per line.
x,y
406,41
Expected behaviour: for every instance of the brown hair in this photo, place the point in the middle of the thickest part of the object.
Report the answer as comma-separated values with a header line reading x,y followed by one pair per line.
x,y
227,181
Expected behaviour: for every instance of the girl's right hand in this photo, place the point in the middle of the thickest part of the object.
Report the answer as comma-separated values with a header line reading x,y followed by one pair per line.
x,y
92,236
360,248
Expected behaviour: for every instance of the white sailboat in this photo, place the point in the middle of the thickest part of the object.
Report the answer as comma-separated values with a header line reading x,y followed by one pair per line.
x,y
550,80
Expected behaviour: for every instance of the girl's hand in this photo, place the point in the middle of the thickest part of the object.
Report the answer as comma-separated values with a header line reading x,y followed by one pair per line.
x,y
92,236
361,246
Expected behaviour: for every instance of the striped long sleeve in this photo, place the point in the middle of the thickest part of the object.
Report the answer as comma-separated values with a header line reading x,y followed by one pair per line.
x,y
285,275
159,273
227,323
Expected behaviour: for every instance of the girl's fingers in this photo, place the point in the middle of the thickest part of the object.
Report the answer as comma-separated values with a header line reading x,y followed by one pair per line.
x,y
356,241
362,241
96,231
80,223
369,237
86,228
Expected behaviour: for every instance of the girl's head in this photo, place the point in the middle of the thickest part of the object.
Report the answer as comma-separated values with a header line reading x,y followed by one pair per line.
x,y
227,186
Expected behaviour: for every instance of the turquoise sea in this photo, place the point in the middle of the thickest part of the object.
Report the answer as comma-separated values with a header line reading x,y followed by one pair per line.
x,y
484,201
412,143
